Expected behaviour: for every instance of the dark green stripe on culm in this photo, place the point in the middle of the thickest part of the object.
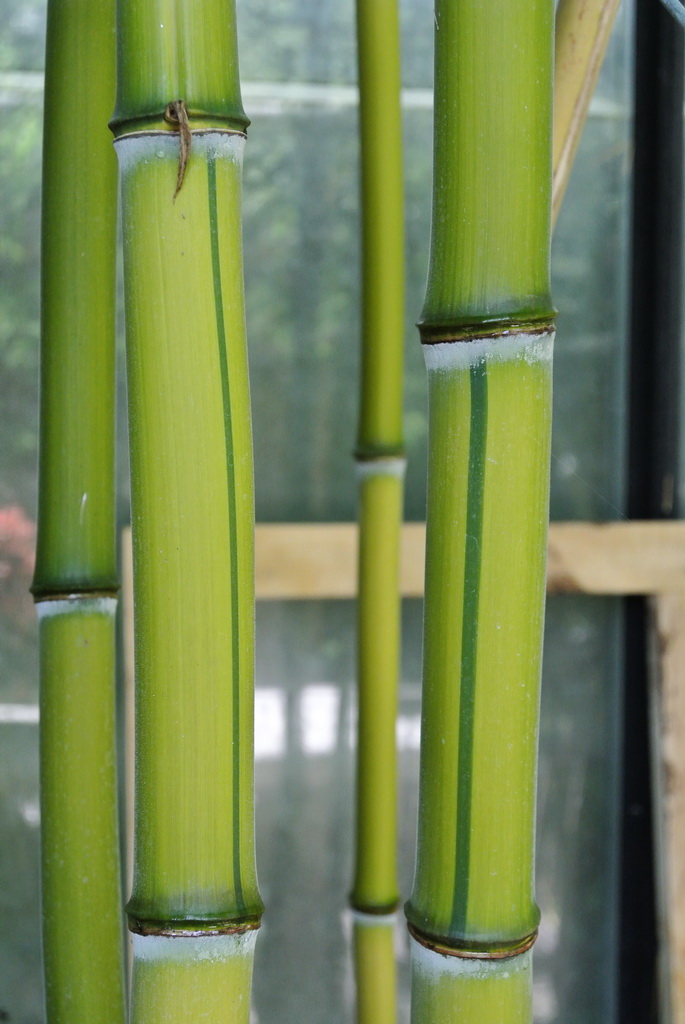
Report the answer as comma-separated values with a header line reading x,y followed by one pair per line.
x,y
469,640
232,523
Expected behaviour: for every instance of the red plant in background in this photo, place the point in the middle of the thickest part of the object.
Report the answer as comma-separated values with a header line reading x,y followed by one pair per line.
x,y
17,543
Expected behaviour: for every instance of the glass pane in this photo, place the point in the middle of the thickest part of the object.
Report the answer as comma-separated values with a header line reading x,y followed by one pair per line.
x,y
21,994
305,781
22,37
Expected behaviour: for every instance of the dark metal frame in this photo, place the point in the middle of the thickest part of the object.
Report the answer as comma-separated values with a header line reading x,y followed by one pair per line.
x,y
653,457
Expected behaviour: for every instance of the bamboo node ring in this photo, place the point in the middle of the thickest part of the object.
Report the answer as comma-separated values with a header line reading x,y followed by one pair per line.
x,y
177,115
191,929
438,946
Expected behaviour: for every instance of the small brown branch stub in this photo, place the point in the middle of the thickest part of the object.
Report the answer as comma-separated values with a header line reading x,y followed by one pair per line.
x,y
177,115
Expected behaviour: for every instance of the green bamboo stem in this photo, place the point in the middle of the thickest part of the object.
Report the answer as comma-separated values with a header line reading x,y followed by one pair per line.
x,y
380,455
82,921
380,125
450,990
192,491
374,968
191,53
76,548
492,138
192,978
485,576
75,581
375,887
192,508
487,330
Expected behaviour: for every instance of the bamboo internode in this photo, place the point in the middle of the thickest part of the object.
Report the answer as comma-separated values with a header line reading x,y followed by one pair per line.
x,y
179,129
374,966
76,549
194,847
473,887
188,57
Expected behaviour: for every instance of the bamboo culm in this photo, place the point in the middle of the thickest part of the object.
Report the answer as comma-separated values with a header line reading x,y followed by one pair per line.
x,y
379,455
75,581
487,330
380,473
180,133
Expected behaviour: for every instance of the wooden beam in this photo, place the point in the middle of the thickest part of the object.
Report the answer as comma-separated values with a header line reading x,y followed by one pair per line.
x,y
305,560
616,558
318,561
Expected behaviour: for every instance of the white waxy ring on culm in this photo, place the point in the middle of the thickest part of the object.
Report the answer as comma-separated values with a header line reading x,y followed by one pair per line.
x,y
76,604
430,963
194,948
456,355
381,467
138,147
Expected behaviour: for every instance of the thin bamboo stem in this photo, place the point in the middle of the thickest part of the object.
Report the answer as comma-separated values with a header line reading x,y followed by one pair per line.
x,y
76,549
82,920
379,455
382,202
191,461
374,968
378,640
75,581
583,30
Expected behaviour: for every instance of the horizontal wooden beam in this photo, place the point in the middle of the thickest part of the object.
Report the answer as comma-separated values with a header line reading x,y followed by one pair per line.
x,y
616,558
318,560
300,561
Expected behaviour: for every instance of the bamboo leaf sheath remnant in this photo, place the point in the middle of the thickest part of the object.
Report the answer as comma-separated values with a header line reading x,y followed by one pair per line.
x,y
487,330
180,132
